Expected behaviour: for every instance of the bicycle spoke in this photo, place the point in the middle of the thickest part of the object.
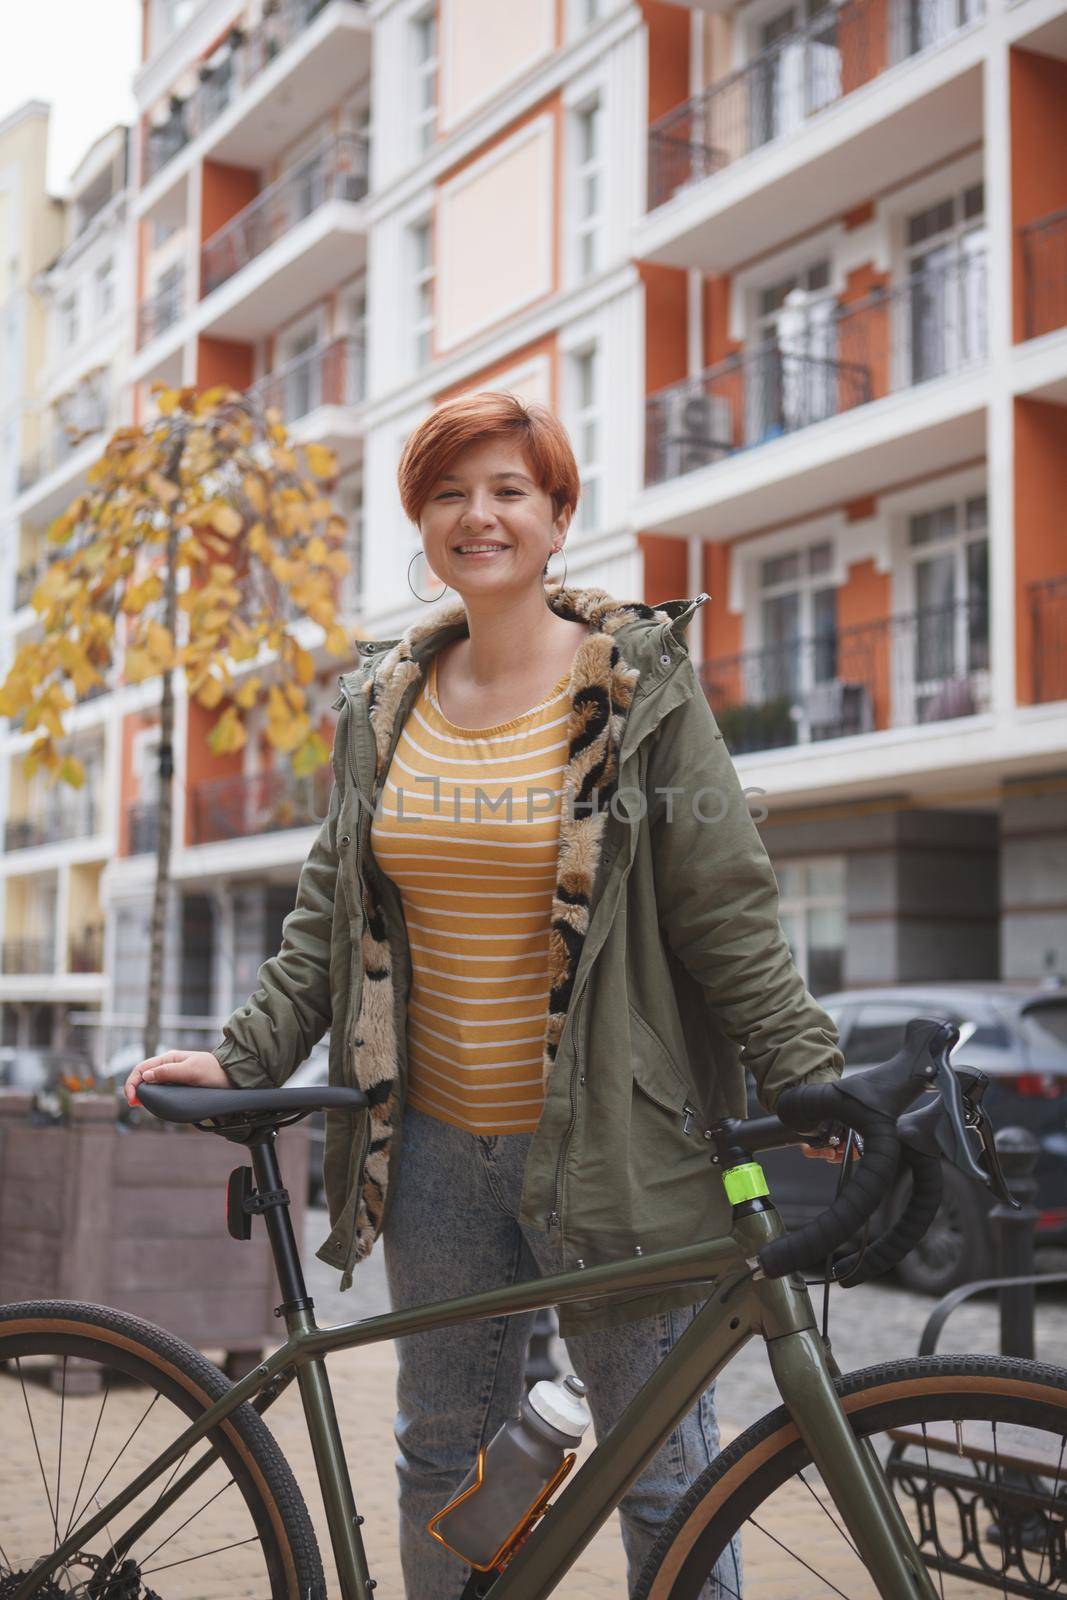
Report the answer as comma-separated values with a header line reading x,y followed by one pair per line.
x,y
122,1451
1046,1553
219,1550
933,1514
1000,1519
799,1559
59,1463
191,1518
88,1458
827,1513
37,1448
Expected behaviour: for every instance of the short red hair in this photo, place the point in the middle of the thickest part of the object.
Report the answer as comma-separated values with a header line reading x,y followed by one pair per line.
x,y
488,414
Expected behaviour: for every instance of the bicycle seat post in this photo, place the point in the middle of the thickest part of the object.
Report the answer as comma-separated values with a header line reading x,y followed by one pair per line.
x,y
272,1201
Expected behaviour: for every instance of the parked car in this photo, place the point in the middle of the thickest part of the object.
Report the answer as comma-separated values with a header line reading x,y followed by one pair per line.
x,y
1017,1035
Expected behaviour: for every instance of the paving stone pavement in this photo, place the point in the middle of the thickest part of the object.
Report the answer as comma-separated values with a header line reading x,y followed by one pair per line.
x,y
881,1322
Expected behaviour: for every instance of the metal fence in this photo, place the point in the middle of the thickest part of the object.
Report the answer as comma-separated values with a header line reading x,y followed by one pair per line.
x,y
333,374
834,53
929,665
338,170
161,310
86,950
1044,248
142,827
76,821
270,802
28,957
826,360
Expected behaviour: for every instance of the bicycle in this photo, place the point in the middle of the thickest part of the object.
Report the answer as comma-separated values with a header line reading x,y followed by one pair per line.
x,y
877,1458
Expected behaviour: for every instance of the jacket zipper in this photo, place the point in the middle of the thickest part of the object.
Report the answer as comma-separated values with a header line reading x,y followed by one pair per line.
x,y
553,1219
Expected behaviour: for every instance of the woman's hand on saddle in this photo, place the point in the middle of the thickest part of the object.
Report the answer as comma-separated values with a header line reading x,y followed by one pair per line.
x,y
195,1067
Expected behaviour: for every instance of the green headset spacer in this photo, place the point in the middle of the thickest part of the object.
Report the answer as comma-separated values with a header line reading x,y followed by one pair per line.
x,y
746,1182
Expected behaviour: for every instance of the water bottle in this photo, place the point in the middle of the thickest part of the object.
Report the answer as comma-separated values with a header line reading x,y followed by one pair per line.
x,y
518,1465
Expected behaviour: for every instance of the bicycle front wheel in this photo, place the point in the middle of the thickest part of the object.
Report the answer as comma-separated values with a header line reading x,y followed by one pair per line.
x,y
88,1398
975,1450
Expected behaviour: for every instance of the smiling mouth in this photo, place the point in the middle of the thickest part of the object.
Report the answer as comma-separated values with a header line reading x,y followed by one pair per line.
x,y
483,548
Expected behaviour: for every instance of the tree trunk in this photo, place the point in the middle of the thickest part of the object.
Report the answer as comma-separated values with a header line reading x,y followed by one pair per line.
x,y
164,823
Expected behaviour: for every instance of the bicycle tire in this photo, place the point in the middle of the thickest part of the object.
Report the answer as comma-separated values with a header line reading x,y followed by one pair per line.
x,y
763,1461
131,1351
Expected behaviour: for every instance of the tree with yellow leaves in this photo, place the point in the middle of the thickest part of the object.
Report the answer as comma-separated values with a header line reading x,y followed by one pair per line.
x,y
202,537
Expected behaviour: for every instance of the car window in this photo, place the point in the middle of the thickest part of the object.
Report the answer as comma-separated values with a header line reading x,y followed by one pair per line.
x,y
1043,1026
877,1031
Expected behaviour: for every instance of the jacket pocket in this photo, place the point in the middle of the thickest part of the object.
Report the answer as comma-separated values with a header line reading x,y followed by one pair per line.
x,y
655,1071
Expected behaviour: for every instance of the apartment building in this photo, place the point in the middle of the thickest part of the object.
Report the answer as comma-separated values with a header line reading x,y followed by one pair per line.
x,y
794,276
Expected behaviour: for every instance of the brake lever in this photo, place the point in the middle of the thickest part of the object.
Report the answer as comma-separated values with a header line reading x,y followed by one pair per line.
x,y
942,1128
972,1086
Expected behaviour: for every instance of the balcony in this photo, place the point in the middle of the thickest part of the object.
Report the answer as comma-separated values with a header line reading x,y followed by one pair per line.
x,y
930,665
162,309
251,101
86,950
77,821
283,251
333,374
1048,639
790,134
271,802
142,827
832,364
28,957
1044,255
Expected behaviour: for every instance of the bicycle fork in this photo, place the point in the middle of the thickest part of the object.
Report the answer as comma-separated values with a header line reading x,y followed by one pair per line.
x,y
849,1466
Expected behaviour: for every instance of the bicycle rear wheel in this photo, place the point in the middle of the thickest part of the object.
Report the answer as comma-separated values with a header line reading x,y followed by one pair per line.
x,y
975,1449
88,1398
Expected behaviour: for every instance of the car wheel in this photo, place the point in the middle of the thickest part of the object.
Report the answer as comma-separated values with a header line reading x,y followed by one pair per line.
x,y
957,1248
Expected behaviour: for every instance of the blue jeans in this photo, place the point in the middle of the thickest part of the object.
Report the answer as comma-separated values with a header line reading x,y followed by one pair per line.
x,y
453,1230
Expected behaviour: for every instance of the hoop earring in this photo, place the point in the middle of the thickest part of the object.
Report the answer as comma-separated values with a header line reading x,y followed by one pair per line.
x,y
427,599
562,551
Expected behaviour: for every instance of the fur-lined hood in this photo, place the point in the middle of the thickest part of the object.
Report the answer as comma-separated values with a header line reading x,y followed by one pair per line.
x,y
604,679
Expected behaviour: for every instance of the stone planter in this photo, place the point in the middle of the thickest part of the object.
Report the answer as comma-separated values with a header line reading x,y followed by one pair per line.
x,y
135,1217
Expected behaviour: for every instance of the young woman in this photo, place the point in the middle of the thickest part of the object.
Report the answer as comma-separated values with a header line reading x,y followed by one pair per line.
x,y
543,931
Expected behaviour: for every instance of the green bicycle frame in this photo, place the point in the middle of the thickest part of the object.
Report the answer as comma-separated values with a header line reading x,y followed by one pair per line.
x,y
742,1304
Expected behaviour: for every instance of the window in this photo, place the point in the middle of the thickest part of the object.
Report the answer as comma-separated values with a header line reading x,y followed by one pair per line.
x,y
812,912
587,433
792,376
945,266
349,502
795,69
421,245
587,186
424,98
68,321
104,281
948,547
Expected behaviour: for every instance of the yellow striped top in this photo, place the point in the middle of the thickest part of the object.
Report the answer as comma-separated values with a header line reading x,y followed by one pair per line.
x,y
472,848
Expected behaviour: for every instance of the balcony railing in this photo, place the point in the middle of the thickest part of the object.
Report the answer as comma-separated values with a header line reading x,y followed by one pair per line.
x,y
220,86
835,52
924,666
338,170
65,440
828,359
1044,246
86,950
27,833
28,957
161,310
333,374
142,827
238,808
1048,639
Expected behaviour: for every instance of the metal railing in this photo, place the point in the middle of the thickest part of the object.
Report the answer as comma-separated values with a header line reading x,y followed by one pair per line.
x,y
76,822
249,53
337,170
929,665
160,311
1044,249
86,950
834,53
28,957
333,374
65,439
1048,639
142,827
271,802
828,359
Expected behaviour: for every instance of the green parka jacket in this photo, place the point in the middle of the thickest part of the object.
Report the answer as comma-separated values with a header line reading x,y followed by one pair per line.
x,y
669,971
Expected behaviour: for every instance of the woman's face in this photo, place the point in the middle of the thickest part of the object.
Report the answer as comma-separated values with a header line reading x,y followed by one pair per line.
x,y
488,498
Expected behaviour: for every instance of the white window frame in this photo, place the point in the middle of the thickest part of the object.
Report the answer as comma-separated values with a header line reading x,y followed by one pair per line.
x,y
797,908
580,413
421,278
105,287
586,231
954,545
69,320
423,67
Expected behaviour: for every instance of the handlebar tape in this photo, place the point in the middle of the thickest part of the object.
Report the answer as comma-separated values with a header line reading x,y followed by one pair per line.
x,y
894,1244
803,1108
